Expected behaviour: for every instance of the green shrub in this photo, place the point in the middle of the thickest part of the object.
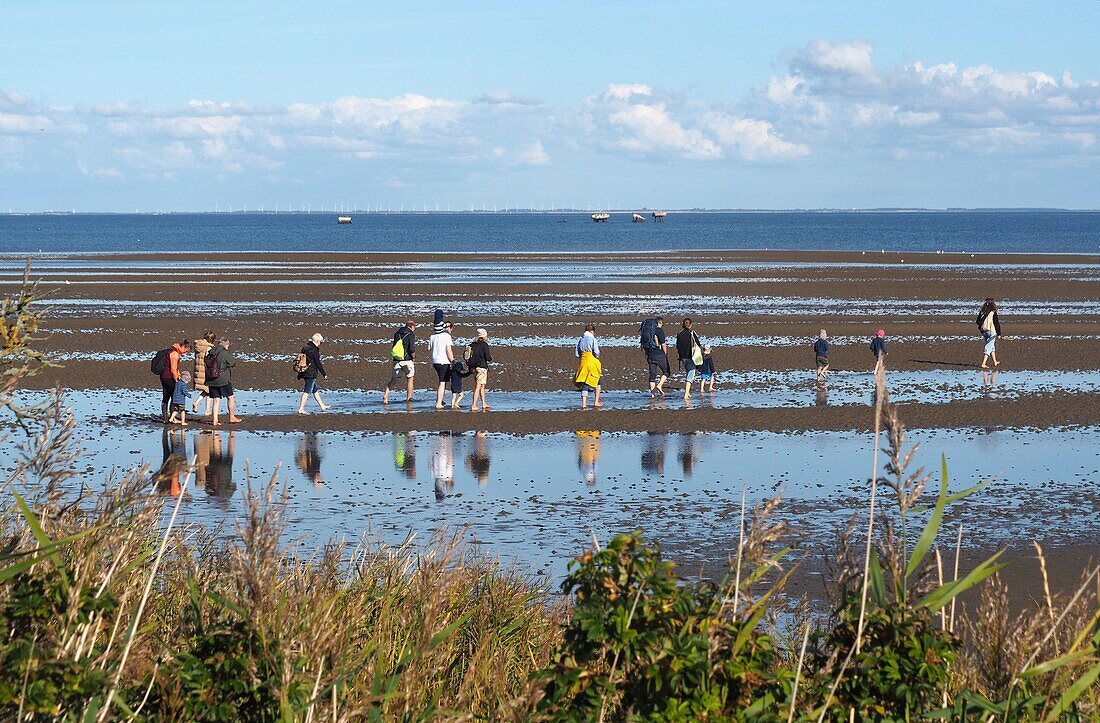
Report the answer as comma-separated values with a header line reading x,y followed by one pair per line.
x,y
648,647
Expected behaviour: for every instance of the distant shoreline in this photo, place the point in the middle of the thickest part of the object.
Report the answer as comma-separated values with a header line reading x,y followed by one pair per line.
x,y
561,212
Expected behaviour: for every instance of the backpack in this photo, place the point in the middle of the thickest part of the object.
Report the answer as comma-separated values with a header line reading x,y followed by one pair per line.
x,y
649,334
397,351
301,363
159,364
212,365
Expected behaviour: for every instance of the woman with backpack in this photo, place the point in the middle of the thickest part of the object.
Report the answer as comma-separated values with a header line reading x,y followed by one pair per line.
x,y
480,358
990,326
309,366
201,346
219,365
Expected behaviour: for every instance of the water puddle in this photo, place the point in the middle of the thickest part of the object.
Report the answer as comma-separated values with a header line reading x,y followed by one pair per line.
x,y
537,500
755,390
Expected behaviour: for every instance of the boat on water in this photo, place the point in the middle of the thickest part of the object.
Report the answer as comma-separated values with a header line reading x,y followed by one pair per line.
x,y
659,216
600,217
343,219
637,218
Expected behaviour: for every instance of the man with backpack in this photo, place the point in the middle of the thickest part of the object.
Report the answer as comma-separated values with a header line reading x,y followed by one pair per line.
x,y
166,365
653,343
402,357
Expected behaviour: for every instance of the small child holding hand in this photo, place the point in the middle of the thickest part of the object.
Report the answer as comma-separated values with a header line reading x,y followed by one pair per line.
x,y
180,396
707,371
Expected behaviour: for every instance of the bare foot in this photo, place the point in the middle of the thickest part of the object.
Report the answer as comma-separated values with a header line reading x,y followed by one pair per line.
x,y
598,405
235,420
302,412
215,424
324,407
439,406
984,366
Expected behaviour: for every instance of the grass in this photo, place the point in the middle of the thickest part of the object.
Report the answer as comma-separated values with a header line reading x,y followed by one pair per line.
x,y
110,610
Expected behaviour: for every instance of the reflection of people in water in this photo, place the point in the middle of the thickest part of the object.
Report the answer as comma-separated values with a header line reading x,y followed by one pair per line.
x,y
219,471
308,457
167,479
443,464
404,454
477,461
689,452
588,453
821,394
989,377
653,452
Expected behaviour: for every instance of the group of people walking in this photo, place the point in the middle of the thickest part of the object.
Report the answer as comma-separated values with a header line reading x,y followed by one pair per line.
x,y
213,367
213,379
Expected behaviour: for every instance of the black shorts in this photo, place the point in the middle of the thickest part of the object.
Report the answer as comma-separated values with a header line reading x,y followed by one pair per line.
x,y
658,365
223,392
168,387
443,371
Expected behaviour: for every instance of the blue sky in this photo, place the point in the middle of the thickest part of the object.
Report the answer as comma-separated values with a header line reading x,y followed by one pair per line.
x,y
181,106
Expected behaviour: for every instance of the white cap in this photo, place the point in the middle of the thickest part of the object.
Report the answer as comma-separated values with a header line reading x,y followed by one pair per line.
x,y
317,338
482,334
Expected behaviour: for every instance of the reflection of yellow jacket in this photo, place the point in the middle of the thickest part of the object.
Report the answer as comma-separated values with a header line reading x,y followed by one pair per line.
x,y
589,369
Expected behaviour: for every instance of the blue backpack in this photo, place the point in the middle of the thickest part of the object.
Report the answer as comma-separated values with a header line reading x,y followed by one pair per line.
x,y
649,334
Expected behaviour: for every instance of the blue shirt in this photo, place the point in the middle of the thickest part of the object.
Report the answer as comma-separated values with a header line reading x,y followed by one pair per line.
x,y
878,346
181,393
588,343
821,347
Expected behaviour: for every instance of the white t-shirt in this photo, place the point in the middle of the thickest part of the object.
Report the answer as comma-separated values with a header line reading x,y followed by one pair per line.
x,y
438,344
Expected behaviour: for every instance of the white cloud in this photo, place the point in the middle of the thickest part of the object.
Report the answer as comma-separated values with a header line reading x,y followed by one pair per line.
x,y
834,94
753,139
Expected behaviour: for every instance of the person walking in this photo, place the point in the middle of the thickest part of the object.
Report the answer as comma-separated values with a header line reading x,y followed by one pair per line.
x,y
821,354
219,380
589,366
690,352
402,357
878,346
989,323
440,347
170,374
480,359
654,345
314,367
198,375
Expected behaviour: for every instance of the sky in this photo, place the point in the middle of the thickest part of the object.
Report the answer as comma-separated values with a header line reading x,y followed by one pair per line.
x,y
158,106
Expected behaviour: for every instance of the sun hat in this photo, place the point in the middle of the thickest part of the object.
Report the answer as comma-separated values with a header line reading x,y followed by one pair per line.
x,y
880,332
482,334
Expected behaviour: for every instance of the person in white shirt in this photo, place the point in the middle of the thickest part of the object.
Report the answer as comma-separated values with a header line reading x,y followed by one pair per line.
x,y
440,346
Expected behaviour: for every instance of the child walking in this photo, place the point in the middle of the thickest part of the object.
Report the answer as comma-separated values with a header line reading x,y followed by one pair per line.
x,y
179,400
878,346
458,372
708,372
821,354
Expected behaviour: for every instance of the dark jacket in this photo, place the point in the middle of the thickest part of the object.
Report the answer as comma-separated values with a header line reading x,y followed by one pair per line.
x,y
996,322
685,340
821,348
408,338
226,362
708,364
878,347
313,357
479,354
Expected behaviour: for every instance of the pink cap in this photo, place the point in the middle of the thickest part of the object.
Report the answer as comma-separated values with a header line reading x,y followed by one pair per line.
x,y
880,332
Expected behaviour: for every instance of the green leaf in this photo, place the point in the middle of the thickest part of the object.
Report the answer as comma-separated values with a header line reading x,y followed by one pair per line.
x,y
40,535
1074,692
948,591
932,528
1055,663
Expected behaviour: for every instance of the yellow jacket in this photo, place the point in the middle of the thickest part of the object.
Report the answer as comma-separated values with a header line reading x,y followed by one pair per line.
x,y
589,370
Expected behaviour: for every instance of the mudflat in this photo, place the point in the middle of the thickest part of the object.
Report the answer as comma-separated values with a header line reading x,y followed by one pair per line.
x,y
760,310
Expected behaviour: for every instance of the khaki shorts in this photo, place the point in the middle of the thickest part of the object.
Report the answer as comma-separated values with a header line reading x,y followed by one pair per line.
x,y
406,369
482,375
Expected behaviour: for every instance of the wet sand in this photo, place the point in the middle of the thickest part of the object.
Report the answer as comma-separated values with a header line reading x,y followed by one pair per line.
x,y
111,311
765,307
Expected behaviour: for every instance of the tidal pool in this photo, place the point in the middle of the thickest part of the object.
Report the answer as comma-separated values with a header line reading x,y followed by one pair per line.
x,y
539,500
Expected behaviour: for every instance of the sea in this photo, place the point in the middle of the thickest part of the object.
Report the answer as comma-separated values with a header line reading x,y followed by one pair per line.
x,y
949,231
